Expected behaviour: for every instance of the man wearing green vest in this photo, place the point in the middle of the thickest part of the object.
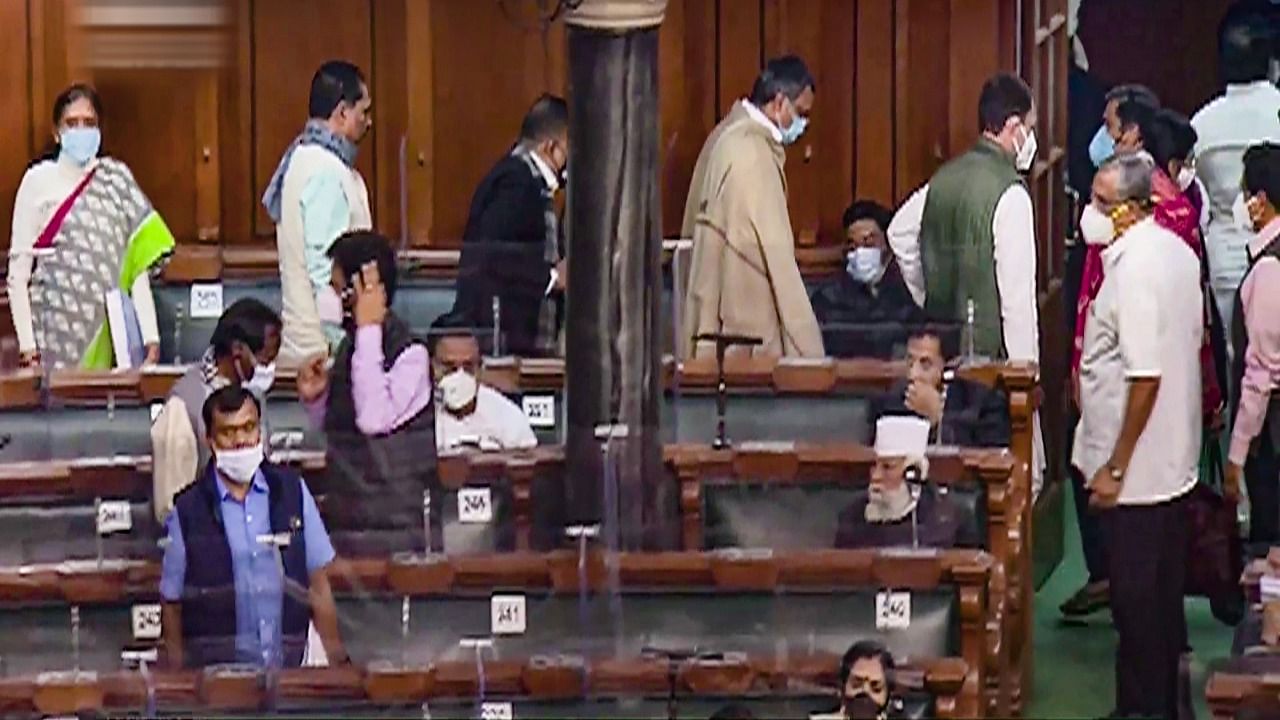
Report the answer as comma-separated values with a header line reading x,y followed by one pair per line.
x,y
965,242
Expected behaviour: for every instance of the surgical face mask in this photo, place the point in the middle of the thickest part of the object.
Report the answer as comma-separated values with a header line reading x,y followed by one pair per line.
x,y
81,144
1095,227
458,389
1186,176
239,465
264,376
797,127
1102,146
1025,156
864,264
1240,214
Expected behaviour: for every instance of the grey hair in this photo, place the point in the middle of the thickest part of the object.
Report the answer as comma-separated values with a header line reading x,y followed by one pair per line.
x,y
1133,176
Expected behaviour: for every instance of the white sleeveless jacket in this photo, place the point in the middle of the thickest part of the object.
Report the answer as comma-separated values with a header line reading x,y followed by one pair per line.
x,y
303,335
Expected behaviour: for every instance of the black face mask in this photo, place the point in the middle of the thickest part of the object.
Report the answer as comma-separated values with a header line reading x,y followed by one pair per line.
x,y
861,706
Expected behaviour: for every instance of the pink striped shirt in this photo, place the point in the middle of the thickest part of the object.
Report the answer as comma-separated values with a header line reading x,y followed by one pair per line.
x,y
1260,297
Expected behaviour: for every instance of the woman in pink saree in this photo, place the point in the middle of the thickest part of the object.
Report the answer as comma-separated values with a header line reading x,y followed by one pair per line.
x,y
1167,138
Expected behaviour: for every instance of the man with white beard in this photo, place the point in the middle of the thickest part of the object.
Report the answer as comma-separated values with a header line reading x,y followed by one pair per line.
x,y
900,509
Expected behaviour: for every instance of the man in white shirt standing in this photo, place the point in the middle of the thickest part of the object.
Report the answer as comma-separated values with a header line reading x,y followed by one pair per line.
x,y
315,196
1248,112
470,414
1138,440
974,215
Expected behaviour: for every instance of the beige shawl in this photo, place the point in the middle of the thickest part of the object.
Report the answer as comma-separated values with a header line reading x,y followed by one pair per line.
x,y
743,275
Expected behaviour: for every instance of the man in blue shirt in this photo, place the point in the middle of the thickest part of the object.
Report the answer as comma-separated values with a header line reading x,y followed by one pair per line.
x,y
245,568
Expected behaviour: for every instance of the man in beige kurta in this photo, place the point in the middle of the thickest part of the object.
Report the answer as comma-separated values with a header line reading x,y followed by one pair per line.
x,y
743,277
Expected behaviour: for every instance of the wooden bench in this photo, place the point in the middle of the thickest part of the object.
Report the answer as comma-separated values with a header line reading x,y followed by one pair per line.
x,y
773,470
813,605
637,687
1227,694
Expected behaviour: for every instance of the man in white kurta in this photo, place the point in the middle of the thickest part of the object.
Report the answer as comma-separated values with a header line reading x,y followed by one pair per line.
x,y
1247,112
1014,247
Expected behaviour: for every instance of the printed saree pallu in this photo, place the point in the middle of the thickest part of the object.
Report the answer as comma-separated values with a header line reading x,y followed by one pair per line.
x,y
103,237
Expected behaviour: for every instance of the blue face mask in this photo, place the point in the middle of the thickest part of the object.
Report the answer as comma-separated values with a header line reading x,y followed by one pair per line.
x,y
863,264
796,128
1101,147
81,144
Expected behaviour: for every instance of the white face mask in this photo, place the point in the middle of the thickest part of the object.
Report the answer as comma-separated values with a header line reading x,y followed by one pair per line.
x,y
1096,228
864,264
239,465
1240,214
264,376
1025,155
458,389
1186,176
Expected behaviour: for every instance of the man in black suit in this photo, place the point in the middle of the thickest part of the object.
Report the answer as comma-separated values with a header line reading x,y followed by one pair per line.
x,y
961,412
512,249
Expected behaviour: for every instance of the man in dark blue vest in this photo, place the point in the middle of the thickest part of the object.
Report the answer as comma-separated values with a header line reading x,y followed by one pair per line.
x,y
245,568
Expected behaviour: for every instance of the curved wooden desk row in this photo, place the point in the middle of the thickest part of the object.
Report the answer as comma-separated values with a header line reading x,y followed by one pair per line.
x,y
22,389
204,263
1229,693
948,680
555,572
968,572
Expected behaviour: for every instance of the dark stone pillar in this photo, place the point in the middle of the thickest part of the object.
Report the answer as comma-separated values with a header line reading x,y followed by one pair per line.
x,y
613,370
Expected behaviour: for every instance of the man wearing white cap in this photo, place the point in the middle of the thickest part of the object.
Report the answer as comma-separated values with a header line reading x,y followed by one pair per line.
x,y
894,513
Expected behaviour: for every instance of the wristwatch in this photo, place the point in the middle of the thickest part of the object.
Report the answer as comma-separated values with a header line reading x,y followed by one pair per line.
x,y
1117,473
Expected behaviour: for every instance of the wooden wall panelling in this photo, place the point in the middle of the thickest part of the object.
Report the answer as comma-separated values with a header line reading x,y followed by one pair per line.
x,y
687,99
921,107
970,65
739,50
160,73
291,40
150,122
17,122
391,31
404,58
238,193
420,151
208,160
56,62
490,64
820,164
874,111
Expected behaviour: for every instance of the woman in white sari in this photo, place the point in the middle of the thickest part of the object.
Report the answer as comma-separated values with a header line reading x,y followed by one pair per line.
x,y
81,228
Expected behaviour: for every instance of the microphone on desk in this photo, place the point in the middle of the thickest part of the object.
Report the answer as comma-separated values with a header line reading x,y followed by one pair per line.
x,y
728,339
681,654
723,341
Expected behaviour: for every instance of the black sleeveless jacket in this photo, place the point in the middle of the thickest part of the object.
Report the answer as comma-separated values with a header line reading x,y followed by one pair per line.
x,y
209,593
375,485
1240,343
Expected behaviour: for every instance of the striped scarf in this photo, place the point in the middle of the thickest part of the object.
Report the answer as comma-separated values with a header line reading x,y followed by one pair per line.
x,y
315,132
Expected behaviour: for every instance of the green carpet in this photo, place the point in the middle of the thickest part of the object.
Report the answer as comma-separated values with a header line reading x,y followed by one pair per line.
x,y
1075,662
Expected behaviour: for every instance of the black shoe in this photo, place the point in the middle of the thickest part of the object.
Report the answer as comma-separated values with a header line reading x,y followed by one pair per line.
x,y
1228,607
1088,600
